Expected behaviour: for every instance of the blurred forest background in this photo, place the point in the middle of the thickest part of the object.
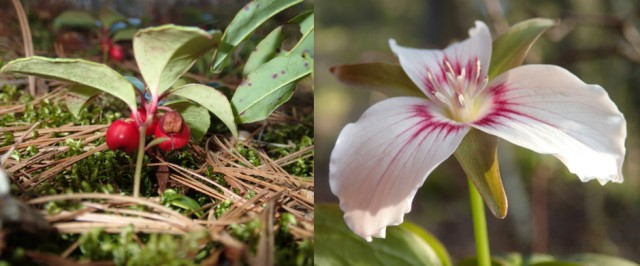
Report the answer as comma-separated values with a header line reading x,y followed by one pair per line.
x,y
208,14
551,210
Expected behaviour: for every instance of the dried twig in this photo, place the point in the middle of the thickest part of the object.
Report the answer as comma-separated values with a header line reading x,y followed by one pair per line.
x,y
26,38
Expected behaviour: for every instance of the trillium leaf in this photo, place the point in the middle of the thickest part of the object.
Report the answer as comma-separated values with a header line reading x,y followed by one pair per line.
x,y
268,87
515,258
90,74
337,245
197,117
212,100
389,79
78,96
478,156
74,18
305,44
511,48
598,259
265,51
250,17
166,52
431,240
557,263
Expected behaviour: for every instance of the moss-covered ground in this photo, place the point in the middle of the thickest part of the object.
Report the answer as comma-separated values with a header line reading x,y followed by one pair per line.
x,y
217,200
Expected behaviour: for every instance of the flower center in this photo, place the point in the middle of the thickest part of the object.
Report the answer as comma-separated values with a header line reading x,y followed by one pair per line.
x,y
458,89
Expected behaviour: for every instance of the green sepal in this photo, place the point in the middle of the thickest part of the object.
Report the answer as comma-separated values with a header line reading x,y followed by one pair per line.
x,y
389,79
510,49
478,156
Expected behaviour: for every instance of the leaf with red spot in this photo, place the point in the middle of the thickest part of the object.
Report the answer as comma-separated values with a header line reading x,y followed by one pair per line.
x,y
268,87
265,51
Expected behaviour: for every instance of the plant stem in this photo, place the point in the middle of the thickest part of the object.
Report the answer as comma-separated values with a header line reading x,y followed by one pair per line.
x,y
479,226
139,160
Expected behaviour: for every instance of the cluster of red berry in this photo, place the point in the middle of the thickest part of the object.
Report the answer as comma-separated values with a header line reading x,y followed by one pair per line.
x,y
123,134
116,51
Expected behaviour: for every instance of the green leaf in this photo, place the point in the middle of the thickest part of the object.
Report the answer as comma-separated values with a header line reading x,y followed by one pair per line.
x,y
171,197
74,18
124,35
77,97
108,17
305,44
510,49
197,117
556,263
166,52
304,20
494,262
212,100
250,17
389,79
136,83
184,81
337,245
431,240
515,258
90,74
589,259
265,51
478,156
268,87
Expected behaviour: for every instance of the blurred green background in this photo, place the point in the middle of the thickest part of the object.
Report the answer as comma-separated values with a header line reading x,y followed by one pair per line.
x,y
550,210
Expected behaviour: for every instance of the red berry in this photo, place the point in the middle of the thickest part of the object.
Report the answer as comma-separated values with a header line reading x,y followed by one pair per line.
x,y
143,115
123,135
172,126
116,52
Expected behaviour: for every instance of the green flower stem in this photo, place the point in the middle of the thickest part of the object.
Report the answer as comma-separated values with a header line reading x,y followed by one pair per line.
x,y
479,226
136,178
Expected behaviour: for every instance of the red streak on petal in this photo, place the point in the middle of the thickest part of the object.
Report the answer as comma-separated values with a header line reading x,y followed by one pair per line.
x,y
503,108
429,125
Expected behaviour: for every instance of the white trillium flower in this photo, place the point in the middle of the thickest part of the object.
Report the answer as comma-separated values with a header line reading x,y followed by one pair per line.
x,y
380,161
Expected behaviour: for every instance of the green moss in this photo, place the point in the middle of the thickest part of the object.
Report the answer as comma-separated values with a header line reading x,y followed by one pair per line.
x,y
156,249
285,139
222,208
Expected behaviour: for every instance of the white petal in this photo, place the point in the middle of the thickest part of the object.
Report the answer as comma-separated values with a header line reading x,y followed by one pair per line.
x,y
465,54
477,46
550,111
379,162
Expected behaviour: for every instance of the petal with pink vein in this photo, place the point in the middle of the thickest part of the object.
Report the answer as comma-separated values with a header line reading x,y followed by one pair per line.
x,y
380,161
549,110
471,55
